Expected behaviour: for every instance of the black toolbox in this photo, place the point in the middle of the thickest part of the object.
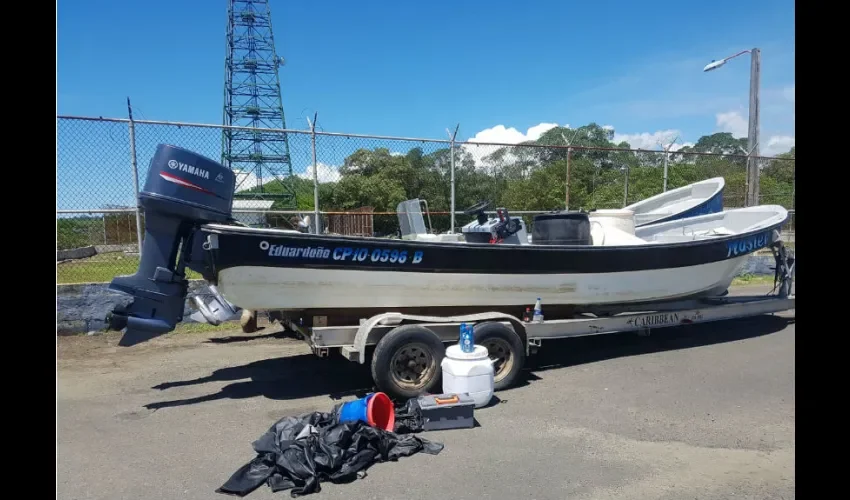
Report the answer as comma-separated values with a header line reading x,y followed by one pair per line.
x,y
446,411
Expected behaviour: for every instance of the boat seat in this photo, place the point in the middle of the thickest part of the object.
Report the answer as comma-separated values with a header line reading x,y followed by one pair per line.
x,y
410,220
412,224
612,236
447,237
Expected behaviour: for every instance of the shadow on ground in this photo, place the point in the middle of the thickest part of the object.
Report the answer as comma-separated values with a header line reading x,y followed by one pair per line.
x,y
305,375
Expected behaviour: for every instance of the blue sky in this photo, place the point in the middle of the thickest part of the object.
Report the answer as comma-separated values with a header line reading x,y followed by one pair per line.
x,y
499,68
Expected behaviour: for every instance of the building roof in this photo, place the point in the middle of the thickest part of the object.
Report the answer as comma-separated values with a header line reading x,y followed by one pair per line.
x,y
252,204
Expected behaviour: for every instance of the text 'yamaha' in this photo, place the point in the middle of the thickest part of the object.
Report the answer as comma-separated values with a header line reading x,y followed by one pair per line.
x,y
189,169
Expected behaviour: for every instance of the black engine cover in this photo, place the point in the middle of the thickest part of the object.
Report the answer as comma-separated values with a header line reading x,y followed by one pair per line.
x,y
561,228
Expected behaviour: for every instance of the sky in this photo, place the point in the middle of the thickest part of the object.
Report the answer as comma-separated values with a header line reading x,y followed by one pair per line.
x,y
503,71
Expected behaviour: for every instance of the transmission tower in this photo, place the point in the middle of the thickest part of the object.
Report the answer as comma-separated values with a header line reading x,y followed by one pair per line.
x,y
252,98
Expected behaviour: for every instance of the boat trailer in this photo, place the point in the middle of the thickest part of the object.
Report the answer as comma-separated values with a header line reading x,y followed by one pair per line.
x,y
408,349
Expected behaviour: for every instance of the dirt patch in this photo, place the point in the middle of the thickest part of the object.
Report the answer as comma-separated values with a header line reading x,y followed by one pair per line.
x,y
80,347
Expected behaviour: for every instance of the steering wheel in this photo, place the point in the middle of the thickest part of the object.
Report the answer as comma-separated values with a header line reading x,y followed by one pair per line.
x,y
477,208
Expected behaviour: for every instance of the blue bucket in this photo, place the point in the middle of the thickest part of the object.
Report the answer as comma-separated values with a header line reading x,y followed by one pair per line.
x,y
375,409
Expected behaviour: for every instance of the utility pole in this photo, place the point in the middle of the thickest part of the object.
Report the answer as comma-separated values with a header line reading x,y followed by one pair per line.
x,y
753,132
752,197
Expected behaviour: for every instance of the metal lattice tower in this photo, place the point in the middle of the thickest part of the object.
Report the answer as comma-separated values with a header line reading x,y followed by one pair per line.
x,y
252,98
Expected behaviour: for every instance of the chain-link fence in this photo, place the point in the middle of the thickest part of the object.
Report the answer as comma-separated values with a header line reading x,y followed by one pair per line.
x,y
359,181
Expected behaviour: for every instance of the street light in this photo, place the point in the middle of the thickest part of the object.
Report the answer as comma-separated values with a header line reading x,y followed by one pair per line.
x,y
753,129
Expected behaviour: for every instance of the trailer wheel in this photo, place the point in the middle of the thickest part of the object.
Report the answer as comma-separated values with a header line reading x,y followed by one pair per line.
x,y
406,362
505,348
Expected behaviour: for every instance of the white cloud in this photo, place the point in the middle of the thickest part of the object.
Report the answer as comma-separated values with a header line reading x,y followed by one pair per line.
x,y
246,179
733,122
504,135
324,172
652,140
678,146
501,134
738,125
777,144
789,92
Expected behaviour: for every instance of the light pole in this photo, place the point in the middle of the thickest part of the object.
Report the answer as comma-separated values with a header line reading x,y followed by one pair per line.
x,y
753,132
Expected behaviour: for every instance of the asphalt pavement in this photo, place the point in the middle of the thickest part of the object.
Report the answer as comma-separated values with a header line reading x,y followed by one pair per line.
x,y
702,411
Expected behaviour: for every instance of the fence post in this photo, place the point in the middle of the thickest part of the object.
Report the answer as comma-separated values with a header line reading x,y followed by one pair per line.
x,y
749,179
315,174
569,143
567,196
452,137
667,159
132,127
626,188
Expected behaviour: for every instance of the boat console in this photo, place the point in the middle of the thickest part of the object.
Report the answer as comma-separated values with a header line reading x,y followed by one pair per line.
x,y
502,229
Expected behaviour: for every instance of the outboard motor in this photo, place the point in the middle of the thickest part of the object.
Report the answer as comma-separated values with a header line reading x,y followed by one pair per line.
x,y
183,190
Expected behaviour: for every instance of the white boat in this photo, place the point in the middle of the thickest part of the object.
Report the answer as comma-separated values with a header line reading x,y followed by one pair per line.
x,y
575,263
699,198
677,259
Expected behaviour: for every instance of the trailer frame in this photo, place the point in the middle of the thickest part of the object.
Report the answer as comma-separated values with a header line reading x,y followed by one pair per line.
x,y
352,341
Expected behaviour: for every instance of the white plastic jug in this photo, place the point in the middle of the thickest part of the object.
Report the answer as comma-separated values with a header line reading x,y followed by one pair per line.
x,y
468,372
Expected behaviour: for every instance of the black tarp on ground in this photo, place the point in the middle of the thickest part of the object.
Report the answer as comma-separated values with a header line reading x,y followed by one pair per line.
x,y
297,453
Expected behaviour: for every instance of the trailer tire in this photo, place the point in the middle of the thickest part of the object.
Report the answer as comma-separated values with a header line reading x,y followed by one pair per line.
x,y
406,362
506,347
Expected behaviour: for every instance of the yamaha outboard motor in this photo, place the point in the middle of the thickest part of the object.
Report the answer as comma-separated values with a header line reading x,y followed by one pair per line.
x,y
183,190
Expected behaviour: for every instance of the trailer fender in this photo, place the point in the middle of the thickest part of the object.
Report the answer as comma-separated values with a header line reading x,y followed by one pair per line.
x,y
366,328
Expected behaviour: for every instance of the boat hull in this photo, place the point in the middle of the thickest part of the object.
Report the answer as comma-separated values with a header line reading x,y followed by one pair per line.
x,y
268,269
281,288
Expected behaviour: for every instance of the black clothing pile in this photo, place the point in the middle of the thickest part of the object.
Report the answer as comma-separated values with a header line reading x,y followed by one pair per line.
x,y
298,453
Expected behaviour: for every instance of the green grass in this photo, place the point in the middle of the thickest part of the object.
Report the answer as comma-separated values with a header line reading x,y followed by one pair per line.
x,y
752,279
101,268
191,327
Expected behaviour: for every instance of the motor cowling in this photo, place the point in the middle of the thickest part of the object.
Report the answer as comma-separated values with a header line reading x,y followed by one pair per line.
x,y
182,191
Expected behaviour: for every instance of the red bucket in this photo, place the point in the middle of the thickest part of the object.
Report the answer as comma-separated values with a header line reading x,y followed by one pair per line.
x,y
375,409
